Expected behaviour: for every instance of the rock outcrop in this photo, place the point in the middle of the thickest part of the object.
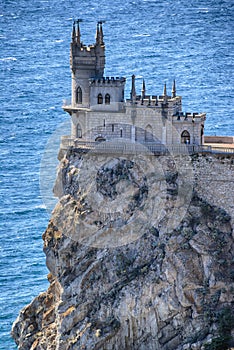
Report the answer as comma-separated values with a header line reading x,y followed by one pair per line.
x,y
139,258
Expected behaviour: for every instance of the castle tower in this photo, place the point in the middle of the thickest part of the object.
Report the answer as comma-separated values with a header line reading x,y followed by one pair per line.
x,y
86,62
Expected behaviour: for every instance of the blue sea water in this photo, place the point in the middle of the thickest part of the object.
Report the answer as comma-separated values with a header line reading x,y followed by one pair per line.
x,y
158,40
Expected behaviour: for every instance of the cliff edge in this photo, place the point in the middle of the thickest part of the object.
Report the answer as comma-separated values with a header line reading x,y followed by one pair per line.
x,y
140,254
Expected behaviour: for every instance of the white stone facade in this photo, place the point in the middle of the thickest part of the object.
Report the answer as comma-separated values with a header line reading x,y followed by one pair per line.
x,y
99,110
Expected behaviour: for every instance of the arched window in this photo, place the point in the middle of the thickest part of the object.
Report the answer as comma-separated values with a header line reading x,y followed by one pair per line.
x,y
107,99
100,99
78,95
148,133
79,131
121,132
100,139
185,137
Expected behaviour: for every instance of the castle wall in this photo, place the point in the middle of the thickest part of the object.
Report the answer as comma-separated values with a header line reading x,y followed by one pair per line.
x,y
214,182
163,129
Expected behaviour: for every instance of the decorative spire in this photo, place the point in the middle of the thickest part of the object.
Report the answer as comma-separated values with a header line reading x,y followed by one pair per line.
x,y
101,34
143,89
165,90
173,91
97,33
78,31
149,102
74,32
133,91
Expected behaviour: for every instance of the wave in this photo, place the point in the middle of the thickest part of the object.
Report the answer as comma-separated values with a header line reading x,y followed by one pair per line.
x,y
5,59
23,211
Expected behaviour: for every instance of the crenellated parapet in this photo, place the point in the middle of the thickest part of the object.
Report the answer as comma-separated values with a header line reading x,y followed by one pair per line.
x,y
156,101
189,117
107,82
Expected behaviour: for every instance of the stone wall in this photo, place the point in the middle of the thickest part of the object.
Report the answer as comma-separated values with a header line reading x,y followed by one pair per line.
x,y
214,180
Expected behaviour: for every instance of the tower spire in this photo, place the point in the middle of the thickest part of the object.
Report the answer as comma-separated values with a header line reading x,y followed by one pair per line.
x,y
78,31
133,91
101,34
74,31
97,33
143,90
165,90
173,91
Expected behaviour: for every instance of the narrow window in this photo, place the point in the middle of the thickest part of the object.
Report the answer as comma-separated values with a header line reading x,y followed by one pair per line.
x,y
107,99
79,131
113,127
185,137
202,133
121,132
148,133
104,122
100,99
122,95
79,95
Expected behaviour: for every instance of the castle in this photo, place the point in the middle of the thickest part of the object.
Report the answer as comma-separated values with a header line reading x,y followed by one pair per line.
x,y
100,112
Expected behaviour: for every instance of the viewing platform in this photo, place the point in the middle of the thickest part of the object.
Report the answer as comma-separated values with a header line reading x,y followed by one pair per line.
x,y
124,147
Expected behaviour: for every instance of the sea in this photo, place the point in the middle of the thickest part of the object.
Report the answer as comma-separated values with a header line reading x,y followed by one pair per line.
x,y
190,41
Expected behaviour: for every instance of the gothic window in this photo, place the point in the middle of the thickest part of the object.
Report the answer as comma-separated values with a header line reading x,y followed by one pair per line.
x,y
79,131
100,99
185,137
78,95
148,133
107,99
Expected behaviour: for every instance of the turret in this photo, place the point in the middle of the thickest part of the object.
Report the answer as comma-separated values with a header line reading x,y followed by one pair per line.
x,y
86,62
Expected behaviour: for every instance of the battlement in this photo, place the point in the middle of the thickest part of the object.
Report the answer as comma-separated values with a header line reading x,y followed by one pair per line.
x,y
156,101
107,81
187,116
83,49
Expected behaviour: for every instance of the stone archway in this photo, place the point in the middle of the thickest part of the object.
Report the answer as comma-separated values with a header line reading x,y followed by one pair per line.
x,y
185,137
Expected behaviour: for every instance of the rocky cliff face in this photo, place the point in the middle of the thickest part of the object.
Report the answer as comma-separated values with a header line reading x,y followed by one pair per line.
x,y
139,258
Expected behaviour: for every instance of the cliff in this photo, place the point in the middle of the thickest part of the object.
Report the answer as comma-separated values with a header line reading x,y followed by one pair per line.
x,y
140,253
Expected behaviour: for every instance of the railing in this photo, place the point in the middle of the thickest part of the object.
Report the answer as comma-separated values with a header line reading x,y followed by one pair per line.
x,y
125,147
227,150
67,104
